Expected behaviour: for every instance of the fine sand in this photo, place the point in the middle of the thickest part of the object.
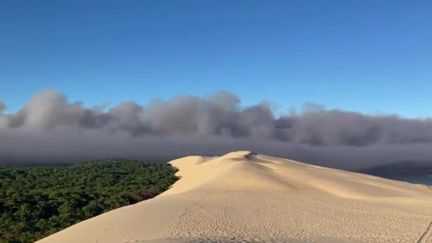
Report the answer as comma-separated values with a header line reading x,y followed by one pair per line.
x,y
245,197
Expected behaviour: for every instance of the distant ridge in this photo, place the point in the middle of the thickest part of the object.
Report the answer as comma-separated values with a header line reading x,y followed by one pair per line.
x,y
404,168
419,172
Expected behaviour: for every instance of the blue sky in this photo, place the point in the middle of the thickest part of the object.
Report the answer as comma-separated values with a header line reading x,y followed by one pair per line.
x,y
367,56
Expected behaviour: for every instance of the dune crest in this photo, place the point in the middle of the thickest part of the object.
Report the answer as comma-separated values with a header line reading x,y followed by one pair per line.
x,y
244,196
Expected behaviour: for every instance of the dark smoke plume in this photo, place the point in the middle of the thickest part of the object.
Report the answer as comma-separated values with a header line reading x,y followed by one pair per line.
x,y
51,129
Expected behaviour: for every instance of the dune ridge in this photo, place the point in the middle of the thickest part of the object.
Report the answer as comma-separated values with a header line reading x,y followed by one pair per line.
x,y
247,197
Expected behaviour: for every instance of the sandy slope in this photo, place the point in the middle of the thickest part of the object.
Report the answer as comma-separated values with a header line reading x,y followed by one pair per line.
x,y
244,197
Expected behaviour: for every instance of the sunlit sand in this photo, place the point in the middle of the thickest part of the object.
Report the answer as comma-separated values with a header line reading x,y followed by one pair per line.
x,y
248,197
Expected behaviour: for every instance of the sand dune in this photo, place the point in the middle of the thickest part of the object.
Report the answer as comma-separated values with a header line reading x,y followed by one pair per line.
x,y
247,197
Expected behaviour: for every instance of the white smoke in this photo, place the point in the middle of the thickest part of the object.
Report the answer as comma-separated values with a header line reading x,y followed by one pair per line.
x,y
52,129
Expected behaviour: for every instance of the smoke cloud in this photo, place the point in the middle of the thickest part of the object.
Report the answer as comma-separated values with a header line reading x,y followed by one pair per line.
x,y
51,129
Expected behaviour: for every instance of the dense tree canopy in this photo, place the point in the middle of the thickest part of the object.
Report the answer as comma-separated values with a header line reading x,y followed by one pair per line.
x,y
36,201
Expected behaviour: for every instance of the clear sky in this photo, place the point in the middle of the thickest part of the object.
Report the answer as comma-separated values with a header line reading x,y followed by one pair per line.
x,y
368,56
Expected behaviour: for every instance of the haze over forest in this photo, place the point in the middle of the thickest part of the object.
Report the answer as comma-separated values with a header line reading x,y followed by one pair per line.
x,y
52,129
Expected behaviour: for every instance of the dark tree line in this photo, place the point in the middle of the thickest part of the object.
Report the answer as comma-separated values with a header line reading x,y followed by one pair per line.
x,y
38,201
